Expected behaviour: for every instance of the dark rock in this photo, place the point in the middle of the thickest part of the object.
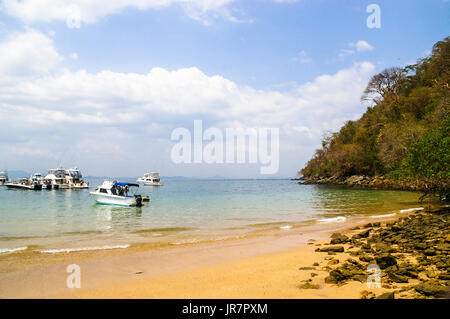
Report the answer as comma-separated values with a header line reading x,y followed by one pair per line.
x,y
429,252
333,262
336,249
387,295
308,285
421,246
360,278
363,234
307,268
338,238
397,278
366,259
430,289
444,276
385,261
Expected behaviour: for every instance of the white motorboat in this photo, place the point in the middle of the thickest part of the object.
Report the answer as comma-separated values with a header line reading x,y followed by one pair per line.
x,y
150,179
74,179
24,183
38,181
4,177
115,193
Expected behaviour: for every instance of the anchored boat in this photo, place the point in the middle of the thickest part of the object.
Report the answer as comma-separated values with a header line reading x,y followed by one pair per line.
x,y
56,179
24,183
150,179
115,193
74,179
4,177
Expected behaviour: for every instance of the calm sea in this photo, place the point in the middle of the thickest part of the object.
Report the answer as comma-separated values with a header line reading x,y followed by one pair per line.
x,y
182,211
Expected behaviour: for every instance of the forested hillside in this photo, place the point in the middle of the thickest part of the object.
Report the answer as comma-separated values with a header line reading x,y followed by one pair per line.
x,y
405,131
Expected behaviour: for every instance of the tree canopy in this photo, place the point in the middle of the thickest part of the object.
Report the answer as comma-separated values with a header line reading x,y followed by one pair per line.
x,y
405,130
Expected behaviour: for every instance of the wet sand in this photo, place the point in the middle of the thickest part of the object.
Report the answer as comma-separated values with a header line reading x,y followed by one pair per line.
x,y
261,267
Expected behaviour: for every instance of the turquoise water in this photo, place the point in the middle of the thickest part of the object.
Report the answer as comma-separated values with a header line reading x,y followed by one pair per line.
x,y
182,211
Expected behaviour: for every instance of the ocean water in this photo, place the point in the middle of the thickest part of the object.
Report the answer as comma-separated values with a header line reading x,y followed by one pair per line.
x,y
182,211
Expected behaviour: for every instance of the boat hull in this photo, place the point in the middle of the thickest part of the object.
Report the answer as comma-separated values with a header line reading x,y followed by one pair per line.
x,y
79,186
113,199
60,186
25,187
152,184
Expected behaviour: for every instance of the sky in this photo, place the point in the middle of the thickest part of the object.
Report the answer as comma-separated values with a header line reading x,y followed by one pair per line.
x,y
103,84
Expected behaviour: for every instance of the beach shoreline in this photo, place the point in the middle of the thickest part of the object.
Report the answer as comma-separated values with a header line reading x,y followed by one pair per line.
x,y
205,270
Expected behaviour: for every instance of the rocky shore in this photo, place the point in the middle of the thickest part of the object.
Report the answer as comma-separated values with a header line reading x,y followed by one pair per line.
x,y
374,182
411,256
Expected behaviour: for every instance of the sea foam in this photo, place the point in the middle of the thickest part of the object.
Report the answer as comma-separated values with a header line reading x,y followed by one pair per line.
x,y
338,219
381,216
11,250
410,209
69,250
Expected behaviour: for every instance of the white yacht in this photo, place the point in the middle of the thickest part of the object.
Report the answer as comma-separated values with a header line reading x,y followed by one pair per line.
x,y
4,177
37,179
115,193
150,179
75,179
56,179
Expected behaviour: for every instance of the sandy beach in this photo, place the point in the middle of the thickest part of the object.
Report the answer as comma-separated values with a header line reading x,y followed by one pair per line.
x,y
270,266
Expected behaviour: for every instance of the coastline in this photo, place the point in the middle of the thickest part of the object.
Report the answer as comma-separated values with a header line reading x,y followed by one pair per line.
x,y
261,267
370,182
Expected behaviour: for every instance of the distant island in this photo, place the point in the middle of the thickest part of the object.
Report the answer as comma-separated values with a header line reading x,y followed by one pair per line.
x,y
402,141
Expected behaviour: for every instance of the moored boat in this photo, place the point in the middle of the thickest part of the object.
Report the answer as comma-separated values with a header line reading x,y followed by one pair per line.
x,y
116,193
4,177
75,179
56,178
24,183
150,179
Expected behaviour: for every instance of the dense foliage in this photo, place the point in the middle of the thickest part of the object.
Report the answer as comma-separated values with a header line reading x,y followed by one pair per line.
x,y
405,131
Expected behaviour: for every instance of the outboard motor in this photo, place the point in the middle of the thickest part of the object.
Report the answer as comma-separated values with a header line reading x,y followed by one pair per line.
x,y
138,200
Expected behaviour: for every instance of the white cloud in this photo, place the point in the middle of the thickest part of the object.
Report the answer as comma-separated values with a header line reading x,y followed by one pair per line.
x,y
109,98
92,11
362,45
353,47
74,56
28,53
302,57
57,107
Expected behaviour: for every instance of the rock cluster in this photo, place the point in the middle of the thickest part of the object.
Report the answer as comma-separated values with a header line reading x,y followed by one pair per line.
x,y
413,250
375,182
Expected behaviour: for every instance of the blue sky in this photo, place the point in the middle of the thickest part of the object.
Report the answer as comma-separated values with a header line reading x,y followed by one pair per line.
x,y
114,82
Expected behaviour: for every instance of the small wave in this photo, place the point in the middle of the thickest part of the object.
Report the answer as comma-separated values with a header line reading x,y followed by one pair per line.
x,y
410,209
69,250
187,241
338,219
286,227
12,250
85,232
381,216
266,224
165,229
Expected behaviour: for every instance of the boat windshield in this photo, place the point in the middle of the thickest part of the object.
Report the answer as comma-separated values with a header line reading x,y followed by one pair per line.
x,y
123,189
